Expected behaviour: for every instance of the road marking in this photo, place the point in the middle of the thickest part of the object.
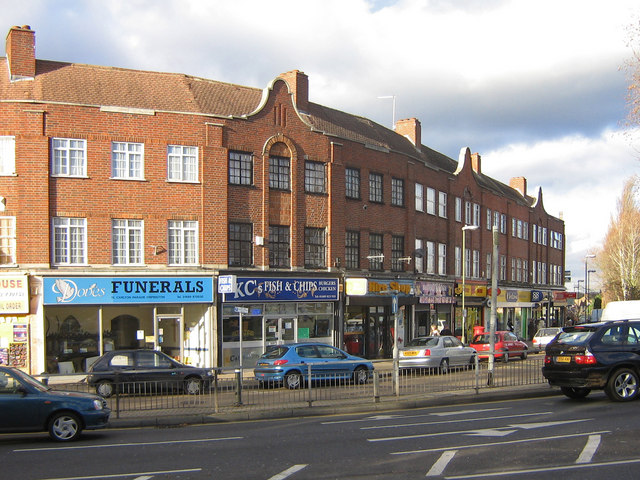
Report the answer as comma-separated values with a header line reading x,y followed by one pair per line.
x,y
544,469
442,463
493,432
123,475
376,427
144,477
112,445
393,416
288,472
589,449
493,444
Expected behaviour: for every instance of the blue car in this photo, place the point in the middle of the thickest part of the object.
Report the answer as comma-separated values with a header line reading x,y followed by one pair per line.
x,y
289,364
26,405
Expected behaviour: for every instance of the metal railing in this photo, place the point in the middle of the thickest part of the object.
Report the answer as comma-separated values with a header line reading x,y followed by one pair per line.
x,y
234,390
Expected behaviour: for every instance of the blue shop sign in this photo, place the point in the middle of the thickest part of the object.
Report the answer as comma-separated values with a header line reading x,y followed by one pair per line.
x,y
252,289
122,290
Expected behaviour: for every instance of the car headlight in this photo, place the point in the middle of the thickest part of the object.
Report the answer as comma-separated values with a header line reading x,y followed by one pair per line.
x,y
97,404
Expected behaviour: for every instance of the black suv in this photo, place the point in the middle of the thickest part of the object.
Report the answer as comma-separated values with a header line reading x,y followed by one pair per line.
x,y
145,371
596,356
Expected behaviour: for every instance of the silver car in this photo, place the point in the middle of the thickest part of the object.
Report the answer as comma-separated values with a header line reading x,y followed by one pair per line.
x,y
439,352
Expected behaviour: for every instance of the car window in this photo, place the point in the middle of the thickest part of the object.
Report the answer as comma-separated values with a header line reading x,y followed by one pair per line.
x,y
122,360
275,352
616,335
634,335
152,359
448,343
423,342
329,352
484,338
8,384
307,351
575,337
456,342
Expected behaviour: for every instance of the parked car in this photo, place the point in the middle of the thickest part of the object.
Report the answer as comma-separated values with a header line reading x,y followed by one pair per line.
x,y
436,352
145,371
290,363
544,336
507,345
590,356
27,405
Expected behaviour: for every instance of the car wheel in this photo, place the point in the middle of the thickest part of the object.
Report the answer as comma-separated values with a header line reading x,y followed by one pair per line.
x,y
361,375
104,388
524,355
193,386
293,380
444,366
575,392
64,427
623,385
505,356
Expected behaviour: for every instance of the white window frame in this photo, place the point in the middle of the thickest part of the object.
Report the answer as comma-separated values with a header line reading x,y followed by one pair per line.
x,y
127,161
7,155
476,264
7,241
442,204
69,241
419,258
127,242
183,242
458,261
458,209
468,213
68,157
489,218
182,163
476,214
431,201
419,197
431,257
442,259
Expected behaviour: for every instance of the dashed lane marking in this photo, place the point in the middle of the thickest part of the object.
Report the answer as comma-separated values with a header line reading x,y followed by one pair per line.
x,y
288,472
589,449
448,422
126,475
442,463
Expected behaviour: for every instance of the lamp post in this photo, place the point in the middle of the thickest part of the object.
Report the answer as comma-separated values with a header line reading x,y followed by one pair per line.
x,y
464,274
589,272
586,284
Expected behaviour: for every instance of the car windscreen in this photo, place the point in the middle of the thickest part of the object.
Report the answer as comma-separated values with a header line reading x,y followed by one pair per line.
x,y
575,336
547,332
423,342
275,352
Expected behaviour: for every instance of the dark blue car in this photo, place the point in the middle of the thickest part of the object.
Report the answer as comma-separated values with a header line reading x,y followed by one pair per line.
x,y
290,365
27,405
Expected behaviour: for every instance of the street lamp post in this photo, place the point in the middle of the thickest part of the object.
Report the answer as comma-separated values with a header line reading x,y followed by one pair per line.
x,y
464,273
586,284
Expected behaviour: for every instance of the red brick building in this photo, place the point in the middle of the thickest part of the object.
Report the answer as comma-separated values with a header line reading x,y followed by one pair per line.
x,y
127,197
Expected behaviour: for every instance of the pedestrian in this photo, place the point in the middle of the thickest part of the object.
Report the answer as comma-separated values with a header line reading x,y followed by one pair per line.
x,y
434,330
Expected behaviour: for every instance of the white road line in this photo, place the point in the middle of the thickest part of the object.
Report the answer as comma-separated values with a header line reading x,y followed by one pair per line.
x,y
124,475
589,449
442,463
376,427
113,445
288,472
493,444
144,477
392,417
544,469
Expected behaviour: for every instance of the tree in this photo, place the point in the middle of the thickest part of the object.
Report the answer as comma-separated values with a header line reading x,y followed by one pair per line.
x,y
619,259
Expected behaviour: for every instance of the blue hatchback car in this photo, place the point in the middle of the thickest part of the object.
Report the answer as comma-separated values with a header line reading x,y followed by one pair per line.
x,y
290,365
27,405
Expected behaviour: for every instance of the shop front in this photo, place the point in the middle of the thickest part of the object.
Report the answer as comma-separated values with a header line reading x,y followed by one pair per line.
x,y
15,322
475,296
370,317
435,306
275,311
87,316
514,311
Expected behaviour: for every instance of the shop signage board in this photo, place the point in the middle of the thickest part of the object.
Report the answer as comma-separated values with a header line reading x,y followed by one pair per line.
x,y
126,290
14,294
283,289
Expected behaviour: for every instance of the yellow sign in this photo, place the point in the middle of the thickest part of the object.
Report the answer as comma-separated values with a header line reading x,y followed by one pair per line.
x,y
14,294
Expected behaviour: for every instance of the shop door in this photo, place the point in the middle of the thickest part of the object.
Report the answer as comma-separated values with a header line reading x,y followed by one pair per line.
x,y
280,330
169,339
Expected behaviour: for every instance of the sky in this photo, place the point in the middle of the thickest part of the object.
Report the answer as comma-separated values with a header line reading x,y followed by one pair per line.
x,y
537,87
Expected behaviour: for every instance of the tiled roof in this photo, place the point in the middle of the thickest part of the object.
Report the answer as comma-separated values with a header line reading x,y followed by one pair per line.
x,y
82,84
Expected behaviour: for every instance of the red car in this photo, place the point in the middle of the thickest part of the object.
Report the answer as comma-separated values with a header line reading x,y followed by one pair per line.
x,y
507,345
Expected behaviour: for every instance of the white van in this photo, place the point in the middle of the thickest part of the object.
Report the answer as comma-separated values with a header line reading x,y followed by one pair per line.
x,y
621,310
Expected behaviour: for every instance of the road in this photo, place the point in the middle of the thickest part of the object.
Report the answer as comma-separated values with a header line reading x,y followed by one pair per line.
x,y
524,439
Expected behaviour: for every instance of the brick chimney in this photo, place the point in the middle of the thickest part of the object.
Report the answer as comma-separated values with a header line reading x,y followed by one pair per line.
x,y
299,87
520,184
21,52
411,129
476,162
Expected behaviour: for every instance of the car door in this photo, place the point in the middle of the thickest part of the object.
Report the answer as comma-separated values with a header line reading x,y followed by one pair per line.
x,y
155,370
332,362
20,410
308,355
455,351
122,364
